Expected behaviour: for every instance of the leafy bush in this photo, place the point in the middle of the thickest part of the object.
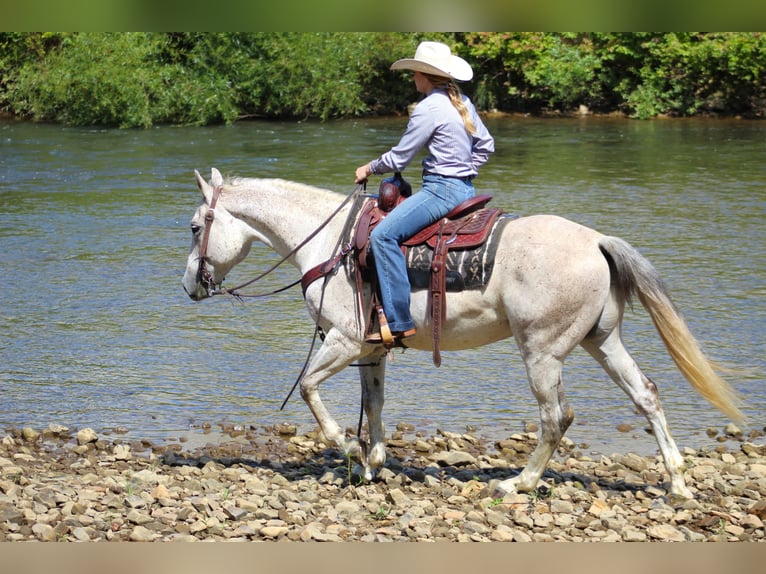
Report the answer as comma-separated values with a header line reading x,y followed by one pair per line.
x,y
142,79
115,79
690,73
563,74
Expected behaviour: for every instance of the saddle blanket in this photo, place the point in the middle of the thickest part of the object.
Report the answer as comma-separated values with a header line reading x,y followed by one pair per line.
x,y
466,268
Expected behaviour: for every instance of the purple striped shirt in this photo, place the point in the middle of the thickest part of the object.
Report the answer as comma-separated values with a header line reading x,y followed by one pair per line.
x,y
452,151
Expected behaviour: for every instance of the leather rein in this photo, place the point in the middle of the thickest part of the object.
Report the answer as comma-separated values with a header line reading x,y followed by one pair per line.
x,y
205,277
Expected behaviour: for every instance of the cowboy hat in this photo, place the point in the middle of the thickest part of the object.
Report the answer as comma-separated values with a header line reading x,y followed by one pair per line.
x,y
437,59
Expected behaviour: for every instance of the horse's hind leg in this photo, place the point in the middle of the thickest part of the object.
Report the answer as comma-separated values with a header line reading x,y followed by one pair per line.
x,y
615,359
556,415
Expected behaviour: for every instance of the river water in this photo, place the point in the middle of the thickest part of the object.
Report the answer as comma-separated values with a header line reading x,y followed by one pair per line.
x,y
97,331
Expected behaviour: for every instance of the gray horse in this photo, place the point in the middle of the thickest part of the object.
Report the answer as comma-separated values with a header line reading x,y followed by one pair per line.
x,y
555,285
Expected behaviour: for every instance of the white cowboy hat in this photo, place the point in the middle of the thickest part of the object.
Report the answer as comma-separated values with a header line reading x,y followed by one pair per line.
x,y
437,59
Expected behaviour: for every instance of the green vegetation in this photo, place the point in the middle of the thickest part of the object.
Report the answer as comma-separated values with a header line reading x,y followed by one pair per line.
x,y
140,79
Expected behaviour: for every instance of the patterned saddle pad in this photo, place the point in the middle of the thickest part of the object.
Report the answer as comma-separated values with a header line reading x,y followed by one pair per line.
x,y
467,268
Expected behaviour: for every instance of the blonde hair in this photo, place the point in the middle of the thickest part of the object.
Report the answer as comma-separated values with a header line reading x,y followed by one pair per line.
x,y
456,97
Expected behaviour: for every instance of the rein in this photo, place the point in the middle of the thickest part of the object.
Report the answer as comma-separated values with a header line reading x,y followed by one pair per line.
x,y
205,275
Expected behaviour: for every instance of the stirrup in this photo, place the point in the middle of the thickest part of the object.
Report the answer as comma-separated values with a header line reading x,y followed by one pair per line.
x,y
386,337
377,338
384,334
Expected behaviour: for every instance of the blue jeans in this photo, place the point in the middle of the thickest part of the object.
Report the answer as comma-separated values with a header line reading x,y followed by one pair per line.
x,y
436,199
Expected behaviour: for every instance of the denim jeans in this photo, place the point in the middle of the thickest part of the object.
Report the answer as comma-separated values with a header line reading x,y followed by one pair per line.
x,y
436,199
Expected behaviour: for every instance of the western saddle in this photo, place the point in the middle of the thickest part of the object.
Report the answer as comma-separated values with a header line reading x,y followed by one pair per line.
x,y
467,226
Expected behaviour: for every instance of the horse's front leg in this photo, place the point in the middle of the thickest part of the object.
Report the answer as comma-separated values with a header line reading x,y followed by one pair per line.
x,y
372,375
336,353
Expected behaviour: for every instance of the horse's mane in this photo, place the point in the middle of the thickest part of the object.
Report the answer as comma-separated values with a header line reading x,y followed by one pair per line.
x,y
283,184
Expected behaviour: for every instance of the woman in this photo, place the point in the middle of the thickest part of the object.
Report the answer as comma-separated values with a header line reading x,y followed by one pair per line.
x,y
446,122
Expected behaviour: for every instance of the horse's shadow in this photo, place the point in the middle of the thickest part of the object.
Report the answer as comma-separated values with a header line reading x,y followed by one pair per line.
x,y
331,466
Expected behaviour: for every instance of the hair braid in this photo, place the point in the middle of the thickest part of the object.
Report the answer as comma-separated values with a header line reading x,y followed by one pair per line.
x,y
456,97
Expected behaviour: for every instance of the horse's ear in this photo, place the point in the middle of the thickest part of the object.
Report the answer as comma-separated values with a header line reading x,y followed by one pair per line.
x,y
216,179
207,191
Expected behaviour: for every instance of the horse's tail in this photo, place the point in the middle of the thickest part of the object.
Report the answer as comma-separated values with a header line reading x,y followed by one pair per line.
x,y
632,274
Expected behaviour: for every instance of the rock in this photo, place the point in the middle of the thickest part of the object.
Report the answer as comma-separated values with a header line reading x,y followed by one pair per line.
x,y
137,517
198,526
633,462
751,521
473,527
44,532
312,531
346,507
562,506
521,536
502,533
633,535
142,534
734,529
598,507
273,531
666,532
57,429
86,436
422,446
453,458
122,452
758,508
10,514
530,427
180,537
235,513
135,501
82,534
145,476
753,450
160,491
728,458
286,429
691,535
398,498
29,434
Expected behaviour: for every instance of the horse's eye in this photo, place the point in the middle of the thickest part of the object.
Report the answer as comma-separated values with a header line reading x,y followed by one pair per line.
x,y
195,229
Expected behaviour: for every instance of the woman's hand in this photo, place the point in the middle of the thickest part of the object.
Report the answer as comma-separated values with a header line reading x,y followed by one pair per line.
x,y
362,173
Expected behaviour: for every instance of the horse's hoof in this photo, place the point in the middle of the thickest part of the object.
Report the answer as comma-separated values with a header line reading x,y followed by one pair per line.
x,y
362,473
355,449
680,495
496,490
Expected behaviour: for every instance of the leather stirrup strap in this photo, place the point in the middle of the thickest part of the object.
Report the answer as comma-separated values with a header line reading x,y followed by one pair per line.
x,y
438,288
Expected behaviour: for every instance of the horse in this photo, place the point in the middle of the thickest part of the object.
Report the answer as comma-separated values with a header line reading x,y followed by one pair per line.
x,y
555,284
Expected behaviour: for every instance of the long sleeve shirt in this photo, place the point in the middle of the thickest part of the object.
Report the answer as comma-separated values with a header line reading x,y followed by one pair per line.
x,y
437,124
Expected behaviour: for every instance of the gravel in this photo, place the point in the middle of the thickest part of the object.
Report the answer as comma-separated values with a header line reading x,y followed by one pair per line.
x,y
271,484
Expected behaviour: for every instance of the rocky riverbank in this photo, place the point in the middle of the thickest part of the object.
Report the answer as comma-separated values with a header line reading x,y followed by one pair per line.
x,y
271,484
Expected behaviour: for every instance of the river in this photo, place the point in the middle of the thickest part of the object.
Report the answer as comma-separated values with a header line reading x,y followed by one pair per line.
x,y
97,331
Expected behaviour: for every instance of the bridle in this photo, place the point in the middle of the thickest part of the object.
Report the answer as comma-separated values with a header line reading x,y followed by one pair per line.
x,y
204,276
